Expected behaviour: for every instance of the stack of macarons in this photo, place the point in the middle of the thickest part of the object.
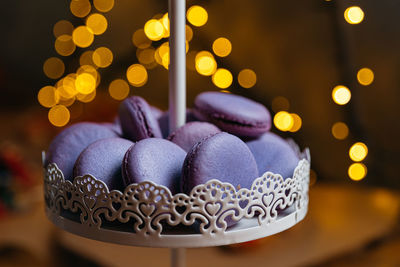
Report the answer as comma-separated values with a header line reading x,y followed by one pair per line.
x,y
226,137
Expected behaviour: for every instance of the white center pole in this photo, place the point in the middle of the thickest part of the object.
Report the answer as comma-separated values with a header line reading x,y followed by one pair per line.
x,y
177,64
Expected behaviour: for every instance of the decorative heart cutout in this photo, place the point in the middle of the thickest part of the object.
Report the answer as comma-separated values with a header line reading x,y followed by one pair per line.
x,y
267,199
147,209
213,208
180,209
89,201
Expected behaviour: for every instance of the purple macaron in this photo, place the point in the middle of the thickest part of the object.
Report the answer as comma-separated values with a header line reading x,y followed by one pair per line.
x,y
137,119
274,154
232,113
163,121
156,160
157,113
103,160
66,146
191,133
220,156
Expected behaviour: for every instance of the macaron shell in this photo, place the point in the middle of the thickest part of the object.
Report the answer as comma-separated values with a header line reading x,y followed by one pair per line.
x,y
137,120
157,113
163,121
191,133
156,160
66,146
274,154
221,156
232,113
103,160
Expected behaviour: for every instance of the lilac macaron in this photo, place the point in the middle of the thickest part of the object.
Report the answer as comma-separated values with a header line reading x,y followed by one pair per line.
x,y
66,146
156,160
220,156
163,121
232,113
137,119
157,113
103,160
274,154
191,133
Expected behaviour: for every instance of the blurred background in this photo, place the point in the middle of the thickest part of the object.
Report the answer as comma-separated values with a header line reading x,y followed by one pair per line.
x,y
327,71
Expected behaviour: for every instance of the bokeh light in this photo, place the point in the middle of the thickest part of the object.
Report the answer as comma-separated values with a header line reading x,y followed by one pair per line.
x,y
357,171
247,78
358,151
53,68
80,8
341,95
145,56
165,60
97,23
86,58
189,33
205,63
63,27
82,36
197,15
280,103
222,47
354,14
297,122
90,70
85,83
103,5
137,75
154,30
67,102
48,96
64,45
140,40
283,121
222,78
118,89
59,115
66,87
102,57
165,22
86,98
365,76
340,130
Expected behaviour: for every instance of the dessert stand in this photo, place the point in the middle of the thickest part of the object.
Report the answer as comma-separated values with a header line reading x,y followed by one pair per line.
x,y
147,214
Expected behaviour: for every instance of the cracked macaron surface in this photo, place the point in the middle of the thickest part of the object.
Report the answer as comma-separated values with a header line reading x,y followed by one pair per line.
x,y
232,113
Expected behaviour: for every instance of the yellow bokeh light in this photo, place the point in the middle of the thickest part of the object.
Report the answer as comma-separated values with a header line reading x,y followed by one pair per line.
x,y
63,27
161,53
102,57
53,68
222,47
85,83
103,5
80,8
280,103
340,130
137,75
86,98
86,58
197,15
165,60
82,36
90,70
59,115
247,78
48,96
145,56
297,122
154,30
222,78
64,45
358,151
341,95
189,33
165,22
354,14
118,89
67,102
140,40
283,121
66,87
357,171
365,76
205,63
97,23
